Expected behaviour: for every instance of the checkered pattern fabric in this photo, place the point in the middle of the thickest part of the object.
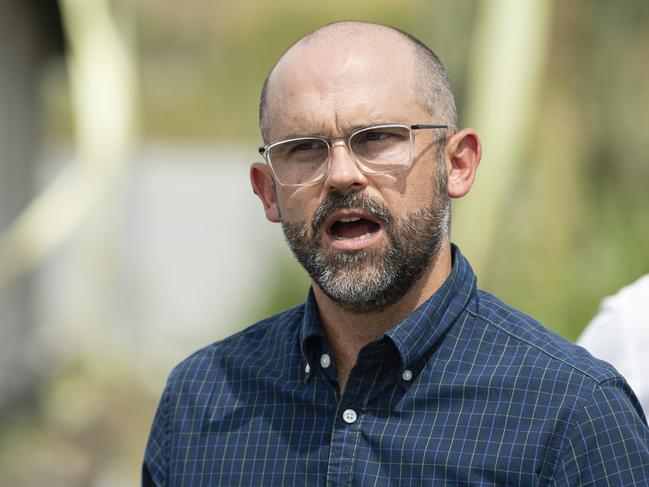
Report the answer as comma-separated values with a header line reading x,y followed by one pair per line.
x,y
465,391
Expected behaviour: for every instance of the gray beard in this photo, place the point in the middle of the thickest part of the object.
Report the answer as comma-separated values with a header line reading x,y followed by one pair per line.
x,y
371,280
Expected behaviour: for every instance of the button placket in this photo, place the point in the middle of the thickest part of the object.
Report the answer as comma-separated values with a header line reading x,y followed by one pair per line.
x,y
346,436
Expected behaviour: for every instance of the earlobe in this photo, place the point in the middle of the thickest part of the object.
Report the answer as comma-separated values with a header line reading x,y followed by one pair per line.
x,y
463,154
264,187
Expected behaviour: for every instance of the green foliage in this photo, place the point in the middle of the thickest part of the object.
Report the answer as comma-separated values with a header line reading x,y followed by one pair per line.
x,y
202,72
576,227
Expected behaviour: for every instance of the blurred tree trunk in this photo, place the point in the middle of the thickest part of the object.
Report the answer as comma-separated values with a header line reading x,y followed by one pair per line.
x,y
103,81
508,57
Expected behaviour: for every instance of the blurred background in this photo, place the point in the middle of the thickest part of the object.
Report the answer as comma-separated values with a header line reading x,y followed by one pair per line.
x,y
129,236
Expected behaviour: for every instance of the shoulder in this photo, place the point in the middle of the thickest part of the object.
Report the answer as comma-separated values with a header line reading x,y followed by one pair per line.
x,y
258,346
609,439
585,399
204,382
536,343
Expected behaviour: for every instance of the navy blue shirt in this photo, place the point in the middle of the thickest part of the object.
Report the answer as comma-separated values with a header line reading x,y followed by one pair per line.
x,y
464,391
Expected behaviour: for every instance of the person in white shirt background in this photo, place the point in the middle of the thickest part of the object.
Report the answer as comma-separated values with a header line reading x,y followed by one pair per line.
x,y
619,334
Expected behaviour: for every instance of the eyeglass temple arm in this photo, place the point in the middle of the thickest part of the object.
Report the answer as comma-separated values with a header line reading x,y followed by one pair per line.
x,y
420,126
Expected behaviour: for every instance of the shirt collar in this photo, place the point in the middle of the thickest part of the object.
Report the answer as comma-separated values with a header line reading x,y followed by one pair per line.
x,y
416,336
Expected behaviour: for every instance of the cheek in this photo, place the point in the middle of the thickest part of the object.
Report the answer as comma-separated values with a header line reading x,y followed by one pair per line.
x,y
424,187
415,193
297,205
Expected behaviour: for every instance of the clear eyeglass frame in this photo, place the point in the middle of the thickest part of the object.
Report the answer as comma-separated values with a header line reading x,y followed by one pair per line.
x,y
331,141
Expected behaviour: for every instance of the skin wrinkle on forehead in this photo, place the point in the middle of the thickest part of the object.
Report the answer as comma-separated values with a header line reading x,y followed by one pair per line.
x,y
341,121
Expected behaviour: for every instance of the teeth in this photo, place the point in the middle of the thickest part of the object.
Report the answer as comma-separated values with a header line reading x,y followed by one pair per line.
x,y
360,237
347,220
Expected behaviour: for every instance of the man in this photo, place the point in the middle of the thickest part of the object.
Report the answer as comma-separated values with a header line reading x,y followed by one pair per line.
x,y
396,370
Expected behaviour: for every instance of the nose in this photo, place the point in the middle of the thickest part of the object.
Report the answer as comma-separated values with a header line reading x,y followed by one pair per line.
x,y
344,174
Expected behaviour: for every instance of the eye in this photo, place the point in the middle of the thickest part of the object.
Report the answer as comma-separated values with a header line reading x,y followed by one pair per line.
x,y
306,146
373,136
379,137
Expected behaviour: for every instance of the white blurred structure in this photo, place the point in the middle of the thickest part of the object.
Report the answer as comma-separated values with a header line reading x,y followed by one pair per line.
x,y
185,252
619,334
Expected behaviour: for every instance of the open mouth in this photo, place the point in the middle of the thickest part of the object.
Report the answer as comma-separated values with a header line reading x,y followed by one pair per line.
x,y
353,228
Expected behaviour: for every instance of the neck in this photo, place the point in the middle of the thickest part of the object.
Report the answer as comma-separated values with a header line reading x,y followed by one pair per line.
x,y
349,331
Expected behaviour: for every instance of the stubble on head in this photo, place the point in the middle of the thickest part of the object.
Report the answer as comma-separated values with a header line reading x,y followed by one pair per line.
x,y
430,82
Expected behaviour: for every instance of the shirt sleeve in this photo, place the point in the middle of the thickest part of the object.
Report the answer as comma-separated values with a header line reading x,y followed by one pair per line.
x,y
156,455
609,444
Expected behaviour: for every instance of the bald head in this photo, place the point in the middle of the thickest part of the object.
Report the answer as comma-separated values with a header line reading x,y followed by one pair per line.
x,y
329,50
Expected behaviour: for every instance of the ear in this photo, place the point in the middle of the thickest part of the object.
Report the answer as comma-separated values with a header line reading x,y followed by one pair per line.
x,y
463,153
264,187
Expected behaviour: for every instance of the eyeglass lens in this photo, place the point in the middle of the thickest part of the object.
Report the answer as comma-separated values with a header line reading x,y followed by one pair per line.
x,y
376,149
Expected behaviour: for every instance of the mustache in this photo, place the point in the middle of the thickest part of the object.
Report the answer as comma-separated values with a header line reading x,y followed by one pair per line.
x,y
337,200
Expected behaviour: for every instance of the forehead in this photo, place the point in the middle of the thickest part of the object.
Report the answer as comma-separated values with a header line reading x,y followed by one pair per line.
x,y
334,84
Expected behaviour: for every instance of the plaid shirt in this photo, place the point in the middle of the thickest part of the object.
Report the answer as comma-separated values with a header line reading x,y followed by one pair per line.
x,y
464,391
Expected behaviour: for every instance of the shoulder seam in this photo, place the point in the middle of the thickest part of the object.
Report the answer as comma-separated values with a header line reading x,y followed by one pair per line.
x,y
535,346
259,326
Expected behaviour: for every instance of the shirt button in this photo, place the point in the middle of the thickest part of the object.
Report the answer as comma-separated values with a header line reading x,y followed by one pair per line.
x,y
325,360
406,375
349,416
307,369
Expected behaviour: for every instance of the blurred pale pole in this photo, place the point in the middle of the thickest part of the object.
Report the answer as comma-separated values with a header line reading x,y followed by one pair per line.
x,y
508,56
102,77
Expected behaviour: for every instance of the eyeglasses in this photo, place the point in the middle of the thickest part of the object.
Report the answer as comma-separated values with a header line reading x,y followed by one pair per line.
x,y
380,149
